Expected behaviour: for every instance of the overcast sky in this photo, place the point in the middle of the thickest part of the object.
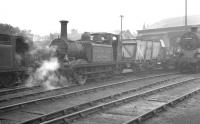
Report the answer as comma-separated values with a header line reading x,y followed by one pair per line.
x,y
43,16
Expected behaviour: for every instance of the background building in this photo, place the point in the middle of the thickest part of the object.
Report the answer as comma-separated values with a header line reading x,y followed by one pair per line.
x,y
168,30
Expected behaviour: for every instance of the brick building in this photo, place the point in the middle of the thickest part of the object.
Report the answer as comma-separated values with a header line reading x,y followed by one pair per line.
x,y
170,36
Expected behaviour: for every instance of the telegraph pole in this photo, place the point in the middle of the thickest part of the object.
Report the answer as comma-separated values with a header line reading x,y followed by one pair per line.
x,y
121,16
185,13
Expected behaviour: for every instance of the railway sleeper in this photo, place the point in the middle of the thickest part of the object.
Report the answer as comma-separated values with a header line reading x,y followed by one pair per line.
x,y
155,112
148,115
139,120
44,118
117,95
95,102
107,99
84,106
9,109
67,111
55,115
164,108
171,104
91,103
160,109
76,108
89,112
73,117
65,121
54,99
102,100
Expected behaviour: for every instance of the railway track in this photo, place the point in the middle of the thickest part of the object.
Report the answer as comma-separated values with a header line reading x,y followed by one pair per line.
x,y
134,108
10,103
23,90
16,90
21,108
39,92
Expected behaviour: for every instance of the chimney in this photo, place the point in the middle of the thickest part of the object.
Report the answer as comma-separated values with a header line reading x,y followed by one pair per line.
x,y
63,33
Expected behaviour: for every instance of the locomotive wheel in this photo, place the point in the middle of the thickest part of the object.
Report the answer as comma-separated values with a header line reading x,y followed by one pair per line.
x,y
7,80
4,82
182,67
118,70
197,68
136,69
81,79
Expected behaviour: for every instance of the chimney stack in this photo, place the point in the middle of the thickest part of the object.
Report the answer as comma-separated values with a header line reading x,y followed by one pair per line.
x,y
63,33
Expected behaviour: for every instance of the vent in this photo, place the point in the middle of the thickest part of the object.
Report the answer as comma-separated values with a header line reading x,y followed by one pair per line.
x,y
5,39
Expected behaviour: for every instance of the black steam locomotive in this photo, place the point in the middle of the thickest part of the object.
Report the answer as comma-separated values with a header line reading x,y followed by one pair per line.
x,y
13,53
189,58
93,56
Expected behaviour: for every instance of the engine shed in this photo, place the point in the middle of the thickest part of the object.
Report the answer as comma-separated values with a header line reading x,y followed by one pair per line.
x,y
170,36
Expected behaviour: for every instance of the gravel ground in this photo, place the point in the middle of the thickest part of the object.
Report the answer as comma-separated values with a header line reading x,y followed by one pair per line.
x,y
79,87
118,115
47,107
187,112
63,91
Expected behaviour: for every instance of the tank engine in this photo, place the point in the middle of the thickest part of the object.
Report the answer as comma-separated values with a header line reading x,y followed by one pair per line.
x,y
82,48
13,53
95,54
190,50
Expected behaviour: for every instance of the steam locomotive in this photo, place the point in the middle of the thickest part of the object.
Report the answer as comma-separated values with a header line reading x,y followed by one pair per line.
x,y
189,57
13,51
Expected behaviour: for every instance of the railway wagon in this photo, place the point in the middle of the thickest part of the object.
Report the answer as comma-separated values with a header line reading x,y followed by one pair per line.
x,y
140,54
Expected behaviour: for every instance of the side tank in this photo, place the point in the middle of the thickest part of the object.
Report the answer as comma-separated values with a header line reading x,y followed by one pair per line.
x,y
73,49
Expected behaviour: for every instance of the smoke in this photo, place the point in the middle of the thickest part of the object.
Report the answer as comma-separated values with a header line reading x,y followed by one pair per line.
x,y
45,69
18,58
47,75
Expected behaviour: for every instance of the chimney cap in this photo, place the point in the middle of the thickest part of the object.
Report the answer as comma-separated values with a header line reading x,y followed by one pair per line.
x,y
64,21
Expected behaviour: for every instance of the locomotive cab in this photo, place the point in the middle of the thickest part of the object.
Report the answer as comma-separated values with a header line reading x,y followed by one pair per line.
x,y
6,52
12,53
21,49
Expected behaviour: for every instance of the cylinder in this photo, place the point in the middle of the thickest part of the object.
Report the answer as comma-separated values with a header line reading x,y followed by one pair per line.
x,y
63,32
